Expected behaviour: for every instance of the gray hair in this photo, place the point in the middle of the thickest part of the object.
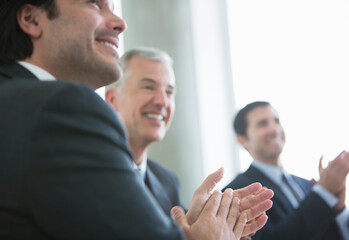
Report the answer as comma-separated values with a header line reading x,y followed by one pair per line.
x,y
147,53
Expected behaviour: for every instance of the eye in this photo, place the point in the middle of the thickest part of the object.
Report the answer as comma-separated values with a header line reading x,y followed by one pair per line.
x,y
170,92
96,2
148,87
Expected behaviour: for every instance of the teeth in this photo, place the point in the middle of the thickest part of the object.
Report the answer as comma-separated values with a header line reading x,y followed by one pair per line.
x,y
108,44
155,116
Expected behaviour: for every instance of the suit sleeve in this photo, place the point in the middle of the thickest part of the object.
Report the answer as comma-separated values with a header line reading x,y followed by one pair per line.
x,y
81,184
310,220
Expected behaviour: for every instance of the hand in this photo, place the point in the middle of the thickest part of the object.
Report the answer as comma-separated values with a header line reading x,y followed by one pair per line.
x,y
202,194
334,175
219,219
254,202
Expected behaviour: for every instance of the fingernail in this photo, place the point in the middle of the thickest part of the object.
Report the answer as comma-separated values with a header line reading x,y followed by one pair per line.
x,y
343,155
229,191
173,213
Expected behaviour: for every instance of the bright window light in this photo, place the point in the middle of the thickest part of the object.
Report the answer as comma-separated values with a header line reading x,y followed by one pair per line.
x,y
295,54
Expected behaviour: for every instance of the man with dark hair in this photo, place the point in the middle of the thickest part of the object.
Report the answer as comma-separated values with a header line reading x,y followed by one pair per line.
x,y
65,166
301,210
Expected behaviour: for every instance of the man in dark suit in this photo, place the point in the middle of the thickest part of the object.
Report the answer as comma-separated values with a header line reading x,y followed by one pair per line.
x,y
144,97
301,210
65,167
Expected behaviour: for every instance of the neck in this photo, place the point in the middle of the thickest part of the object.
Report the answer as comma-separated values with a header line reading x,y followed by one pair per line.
x,y
271,161
67,74
138,152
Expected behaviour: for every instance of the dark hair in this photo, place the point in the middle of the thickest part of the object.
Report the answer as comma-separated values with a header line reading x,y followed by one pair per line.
x,y
14,43
240,121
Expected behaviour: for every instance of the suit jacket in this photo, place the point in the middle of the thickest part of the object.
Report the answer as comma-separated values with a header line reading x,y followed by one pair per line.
x,y
313,219
164,185
65,167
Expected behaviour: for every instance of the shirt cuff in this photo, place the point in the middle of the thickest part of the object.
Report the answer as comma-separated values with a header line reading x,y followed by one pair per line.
x,y
342,221
327,196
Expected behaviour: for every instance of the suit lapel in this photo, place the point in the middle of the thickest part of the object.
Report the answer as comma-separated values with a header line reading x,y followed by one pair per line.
x,y
284,203
157,190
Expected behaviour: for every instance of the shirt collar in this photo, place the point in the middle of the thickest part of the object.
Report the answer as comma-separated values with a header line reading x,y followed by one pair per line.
x,y
273,172
143,165
40,73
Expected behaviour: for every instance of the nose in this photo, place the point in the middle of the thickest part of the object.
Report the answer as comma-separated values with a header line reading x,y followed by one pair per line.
x,y
275,128
161,98
116,23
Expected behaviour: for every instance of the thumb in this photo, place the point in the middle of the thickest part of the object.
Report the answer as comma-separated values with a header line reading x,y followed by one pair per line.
x,y
211,181
178,215
320,164
202,194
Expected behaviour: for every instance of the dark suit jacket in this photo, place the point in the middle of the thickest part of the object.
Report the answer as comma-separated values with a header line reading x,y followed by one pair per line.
x,y
164,185
313,219
65,166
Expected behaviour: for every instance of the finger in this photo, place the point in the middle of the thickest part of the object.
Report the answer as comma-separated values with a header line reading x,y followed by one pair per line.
x,y
212,205
247,191
258,209
254,200
202,194
240,225
340,164
178,215
225,203
320,164
234,213
254,226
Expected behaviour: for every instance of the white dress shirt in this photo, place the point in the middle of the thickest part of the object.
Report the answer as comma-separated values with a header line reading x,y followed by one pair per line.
x,y
275,174
40,73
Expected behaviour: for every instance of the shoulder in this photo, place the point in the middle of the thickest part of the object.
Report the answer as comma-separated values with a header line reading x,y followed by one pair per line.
x,y
161,171
244,179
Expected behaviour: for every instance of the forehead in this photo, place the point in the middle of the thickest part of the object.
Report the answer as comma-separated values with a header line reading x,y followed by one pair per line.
x,y
261,113
139,68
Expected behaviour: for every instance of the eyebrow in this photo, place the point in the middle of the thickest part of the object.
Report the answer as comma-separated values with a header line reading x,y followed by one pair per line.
x,y
154,82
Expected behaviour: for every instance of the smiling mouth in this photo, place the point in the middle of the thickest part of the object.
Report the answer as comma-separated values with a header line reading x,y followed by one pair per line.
x,y
109,45
155,116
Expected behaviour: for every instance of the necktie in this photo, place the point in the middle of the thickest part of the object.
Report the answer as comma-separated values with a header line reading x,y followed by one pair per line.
x,y
140,175
295,194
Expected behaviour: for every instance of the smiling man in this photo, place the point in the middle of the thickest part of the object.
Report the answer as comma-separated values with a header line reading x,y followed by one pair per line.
x,y
301,210
145,100
65,167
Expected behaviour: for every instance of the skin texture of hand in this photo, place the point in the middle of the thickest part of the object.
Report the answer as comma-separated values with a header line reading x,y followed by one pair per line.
x,y
219,219
255,200
341,195
334,175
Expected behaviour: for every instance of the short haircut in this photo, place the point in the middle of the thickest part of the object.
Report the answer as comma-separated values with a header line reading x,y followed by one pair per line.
x,y
240,121
146,53
15,44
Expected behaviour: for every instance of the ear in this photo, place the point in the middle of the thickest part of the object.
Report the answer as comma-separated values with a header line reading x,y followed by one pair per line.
x,y
111,97
28,17
243,140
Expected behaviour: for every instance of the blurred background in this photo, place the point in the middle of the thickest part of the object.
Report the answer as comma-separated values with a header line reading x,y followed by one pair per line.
x,y
227,53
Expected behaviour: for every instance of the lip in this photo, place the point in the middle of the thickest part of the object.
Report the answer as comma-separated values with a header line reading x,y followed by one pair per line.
x,y
110,40
163,113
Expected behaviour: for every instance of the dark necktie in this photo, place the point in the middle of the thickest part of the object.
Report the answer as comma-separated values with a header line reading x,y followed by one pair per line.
x,y
140,175
295,194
